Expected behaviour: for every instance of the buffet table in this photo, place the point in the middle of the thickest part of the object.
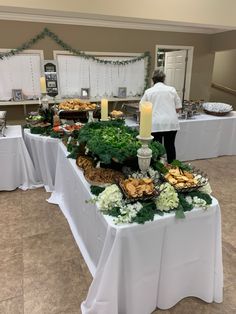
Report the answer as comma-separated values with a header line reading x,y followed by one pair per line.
x,y
17,169
43,151
206,136
137,268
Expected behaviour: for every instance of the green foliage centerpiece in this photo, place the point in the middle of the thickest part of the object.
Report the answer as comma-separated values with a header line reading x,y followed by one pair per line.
x,y
113,141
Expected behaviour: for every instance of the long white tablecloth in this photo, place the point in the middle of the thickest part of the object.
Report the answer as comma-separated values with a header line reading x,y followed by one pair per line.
x,y
16,166
43,151
137,268
204,136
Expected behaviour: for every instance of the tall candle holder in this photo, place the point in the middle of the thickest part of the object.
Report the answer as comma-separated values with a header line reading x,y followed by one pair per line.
x,y
45,110
144,153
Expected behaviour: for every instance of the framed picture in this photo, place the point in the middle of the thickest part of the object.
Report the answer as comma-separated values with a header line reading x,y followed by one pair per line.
x,y
17,94
84,92
51,84
122,92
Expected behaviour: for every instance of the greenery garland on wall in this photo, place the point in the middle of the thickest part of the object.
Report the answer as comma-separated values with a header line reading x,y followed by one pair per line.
x,y
47,33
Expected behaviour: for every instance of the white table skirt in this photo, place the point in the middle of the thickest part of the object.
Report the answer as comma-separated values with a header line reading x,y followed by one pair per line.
x,y
137,268
43,152
204,136
16,166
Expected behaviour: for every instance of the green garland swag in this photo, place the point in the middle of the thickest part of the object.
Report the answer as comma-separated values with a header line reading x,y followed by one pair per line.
x,y
47,33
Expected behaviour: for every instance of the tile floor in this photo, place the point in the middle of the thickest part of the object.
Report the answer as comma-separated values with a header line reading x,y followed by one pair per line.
x,y
43,272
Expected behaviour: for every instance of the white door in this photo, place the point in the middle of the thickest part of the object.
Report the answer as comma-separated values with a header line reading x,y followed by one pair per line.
x,y
175,63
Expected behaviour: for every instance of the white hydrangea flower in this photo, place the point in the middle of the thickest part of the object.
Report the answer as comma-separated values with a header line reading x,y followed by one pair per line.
x,y
206,189
196,201
168,199
199,202
110,197
189,199
128,212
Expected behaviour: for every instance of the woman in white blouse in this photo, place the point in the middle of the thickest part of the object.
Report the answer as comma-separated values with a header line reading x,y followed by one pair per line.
x,y
166,103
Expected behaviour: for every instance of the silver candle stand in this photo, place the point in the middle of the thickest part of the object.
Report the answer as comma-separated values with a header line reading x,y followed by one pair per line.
x,y
144,153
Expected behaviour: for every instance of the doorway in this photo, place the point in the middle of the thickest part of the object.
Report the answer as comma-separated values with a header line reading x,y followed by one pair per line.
x,y
176,62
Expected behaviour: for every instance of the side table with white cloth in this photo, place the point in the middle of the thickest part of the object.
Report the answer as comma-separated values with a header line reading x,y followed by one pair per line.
x,y
204,136
137,268
43,152
16,167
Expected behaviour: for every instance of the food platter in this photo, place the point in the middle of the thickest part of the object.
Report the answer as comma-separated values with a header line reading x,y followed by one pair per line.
x,y
74,109
84,162
102,176
34,118
68,129
185,181
219,114
76,105
138,189
117,114
97,176
217,109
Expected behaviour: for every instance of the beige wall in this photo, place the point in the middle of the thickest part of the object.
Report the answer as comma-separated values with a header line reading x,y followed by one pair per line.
x,y
210,12
224,73
115,40
13,34
220,96
224,41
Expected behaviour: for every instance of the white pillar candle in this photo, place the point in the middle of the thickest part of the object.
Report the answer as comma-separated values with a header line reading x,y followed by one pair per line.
x,y
43,85
104,109
145,119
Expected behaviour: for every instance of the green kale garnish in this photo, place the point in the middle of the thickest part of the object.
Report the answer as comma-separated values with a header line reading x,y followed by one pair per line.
x,y
96,190
181,165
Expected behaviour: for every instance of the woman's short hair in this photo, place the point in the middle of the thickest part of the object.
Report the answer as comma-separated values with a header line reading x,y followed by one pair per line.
x,y
158,76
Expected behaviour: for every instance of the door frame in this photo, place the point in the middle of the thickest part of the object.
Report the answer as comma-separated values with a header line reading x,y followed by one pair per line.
x,y
190,50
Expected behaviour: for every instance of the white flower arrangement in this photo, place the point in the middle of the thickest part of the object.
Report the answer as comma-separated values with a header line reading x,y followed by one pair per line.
x,y
128,212
112,202
206,189
168,198
109,198
196,201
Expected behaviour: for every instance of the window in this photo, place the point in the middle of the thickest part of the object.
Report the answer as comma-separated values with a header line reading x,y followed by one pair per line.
x,y
23,72
102,79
